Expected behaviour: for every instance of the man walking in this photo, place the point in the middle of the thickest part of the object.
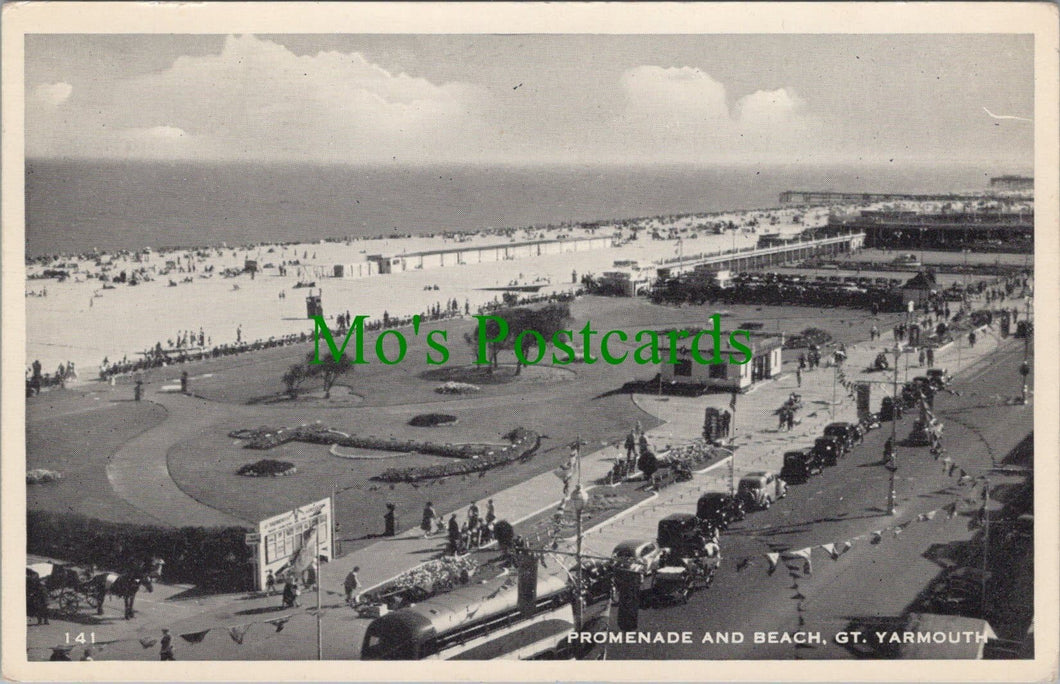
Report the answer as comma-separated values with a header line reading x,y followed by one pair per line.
x,y
351,584
798,376
165,651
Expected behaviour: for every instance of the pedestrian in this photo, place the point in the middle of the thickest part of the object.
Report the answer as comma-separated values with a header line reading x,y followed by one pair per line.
x,y
61,653
165,650
791,420
427,522
798,376
472,512
922,356
491,514
290,593
138,390
783,419
631,446
454,534
310,576
351,584
270,583
390,521
184,382
802,361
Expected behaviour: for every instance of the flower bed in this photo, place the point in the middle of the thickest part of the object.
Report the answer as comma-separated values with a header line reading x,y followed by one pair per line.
x,y
432,420
42,476
453,387
267,438
524,443
431,578
267,467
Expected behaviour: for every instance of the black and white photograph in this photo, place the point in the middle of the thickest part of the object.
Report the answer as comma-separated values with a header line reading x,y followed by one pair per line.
x,y
529,333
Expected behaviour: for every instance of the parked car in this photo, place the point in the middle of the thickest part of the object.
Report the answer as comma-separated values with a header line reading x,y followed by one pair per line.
x,y
799,465
848,433
719,509
640,554
761,488
828,449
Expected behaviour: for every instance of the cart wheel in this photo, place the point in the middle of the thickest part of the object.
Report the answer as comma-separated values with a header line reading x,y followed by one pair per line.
x,y
69,602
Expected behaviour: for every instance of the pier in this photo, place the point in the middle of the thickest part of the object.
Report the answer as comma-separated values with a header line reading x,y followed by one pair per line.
x,y
762,257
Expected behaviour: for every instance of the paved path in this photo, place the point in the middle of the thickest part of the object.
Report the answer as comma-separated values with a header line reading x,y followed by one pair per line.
x,y
139,471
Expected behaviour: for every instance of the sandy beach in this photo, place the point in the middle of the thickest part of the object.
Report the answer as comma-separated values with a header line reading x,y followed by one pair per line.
x,y
126,320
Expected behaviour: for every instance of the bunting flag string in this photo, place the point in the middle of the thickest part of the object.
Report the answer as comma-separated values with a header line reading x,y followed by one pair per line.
x,y
195,637
147,642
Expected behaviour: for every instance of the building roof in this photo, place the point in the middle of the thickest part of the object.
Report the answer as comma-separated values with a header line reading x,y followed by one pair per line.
x,y
924,280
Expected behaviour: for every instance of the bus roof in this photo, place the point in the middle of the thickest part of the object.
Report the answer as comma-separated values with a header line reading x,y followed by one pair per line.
x,y
454,608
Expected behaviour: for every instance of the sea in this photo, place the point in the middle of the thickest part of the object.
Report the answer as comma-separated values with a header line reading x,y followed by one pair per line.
x,y
76,206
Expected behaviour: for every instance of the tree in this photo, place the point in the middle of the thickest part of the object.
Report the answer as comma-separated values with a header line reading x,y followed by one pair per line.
x,y
329,369
294,377
546,320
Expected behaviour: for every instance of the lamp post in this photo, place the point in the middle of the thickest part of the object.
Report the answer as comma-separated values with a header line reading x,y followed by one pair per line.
x,y
892,464
579,498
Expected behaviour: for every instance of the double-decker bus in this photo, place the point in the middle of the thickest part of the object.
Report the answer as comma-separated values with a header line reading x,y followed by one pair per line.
x,y
482,622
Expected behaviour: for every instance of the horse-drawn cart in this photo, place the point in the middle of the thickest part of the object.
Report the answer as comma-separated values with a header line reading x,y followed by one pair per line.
x,y
67,587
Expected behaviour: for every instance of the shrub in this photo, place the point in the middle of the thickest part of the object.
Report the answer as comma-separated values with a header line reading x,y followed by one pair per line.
x,y
267,467
432,420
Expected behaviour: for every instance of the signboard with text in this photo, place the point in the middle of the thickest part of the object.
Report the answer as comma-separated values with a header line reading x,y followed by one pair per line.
x,y
285,542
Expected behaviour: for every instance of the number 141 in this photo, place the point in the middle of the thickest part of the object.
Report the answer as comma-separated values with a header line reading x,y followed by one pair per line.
x,y
80,638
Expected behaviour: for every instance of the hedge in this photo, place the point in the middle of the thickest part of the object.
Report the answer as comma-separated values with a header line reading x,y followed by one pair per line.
x,y
215,558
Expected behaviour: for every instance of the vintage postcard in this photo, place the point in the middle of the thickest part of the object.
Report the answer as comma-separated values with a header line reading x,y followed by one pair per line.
x,y
611,338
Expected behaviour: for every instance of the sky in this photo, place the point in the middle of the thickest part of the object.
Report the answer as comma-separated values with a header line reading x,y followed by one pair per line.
x,y
532,99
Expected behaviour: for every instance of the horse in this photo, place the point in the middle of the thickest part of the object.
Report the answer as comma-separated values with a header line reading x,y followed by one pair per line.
x,y
125,585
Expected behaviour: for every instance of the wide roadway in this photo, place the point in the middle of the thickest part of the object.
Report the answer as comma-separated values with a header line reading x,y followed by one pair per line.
x,y
871,581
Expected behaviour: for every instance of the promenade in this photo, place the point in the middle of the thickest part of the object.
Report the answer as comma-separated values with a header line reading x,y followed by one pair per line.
x,y
757,444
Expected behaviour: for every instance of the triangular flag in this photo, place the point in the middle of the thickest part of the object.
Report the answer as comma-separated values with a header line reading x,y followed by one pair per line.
x,y
930,515
877,537
843,547
773,559
195,637
279,623
805,554
743,564
237,632
953,467
148,642
951,510
830,548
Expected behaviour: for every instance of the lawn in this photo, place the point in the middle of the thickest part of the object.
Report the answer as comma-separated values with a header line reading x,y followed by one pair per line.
x,y
75,433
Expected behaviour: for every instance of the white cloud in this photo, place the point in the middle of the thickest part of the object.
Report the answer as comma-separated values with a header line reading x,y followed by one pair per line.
x,y
769,107
53,94
684,93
